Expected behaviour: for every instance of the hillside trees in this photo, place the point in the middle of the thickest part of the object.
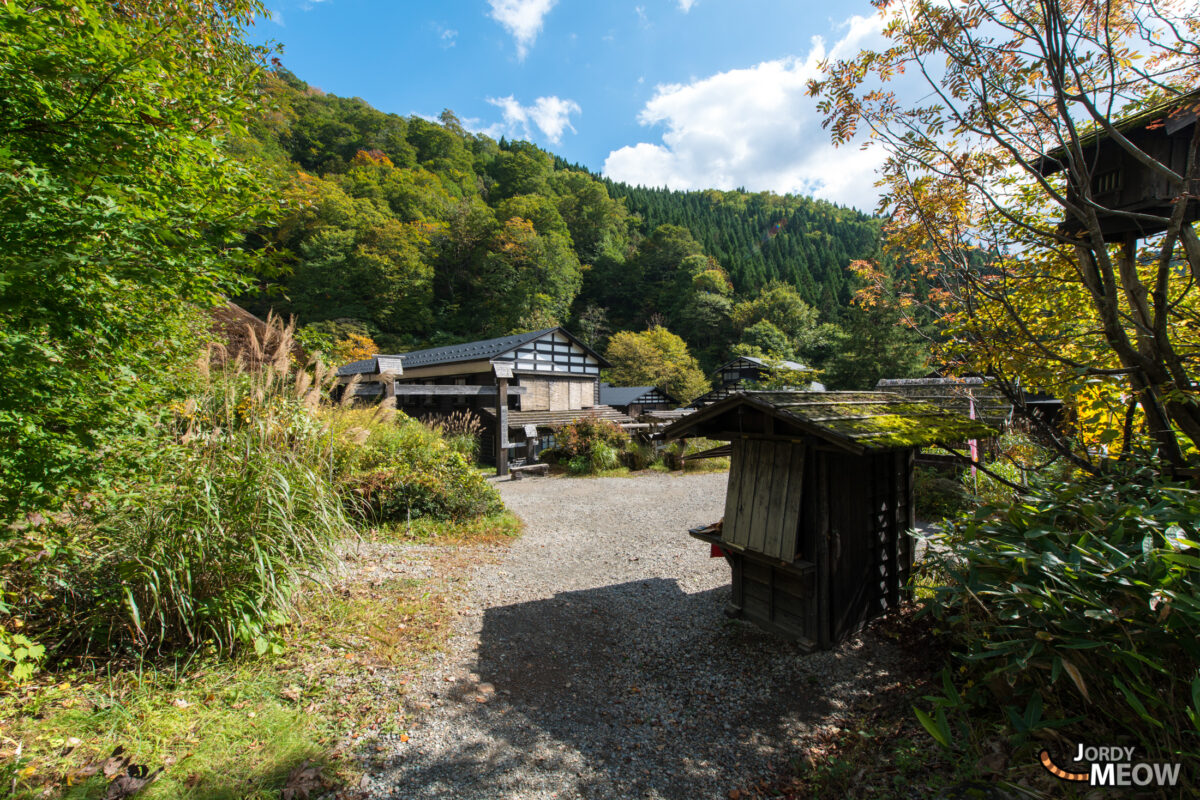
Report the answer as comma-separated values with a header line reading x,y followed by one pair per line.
x,y
118,207
1008,87
778,324
428,234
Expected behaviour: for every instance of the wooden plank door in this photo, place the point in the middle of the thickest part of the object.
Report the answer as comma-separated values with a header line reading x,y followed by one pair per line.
x,y
764,497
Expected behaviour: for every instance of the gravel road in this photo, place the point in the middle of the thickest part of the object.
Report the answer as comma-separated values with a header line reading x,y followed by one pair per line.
x,y
595,661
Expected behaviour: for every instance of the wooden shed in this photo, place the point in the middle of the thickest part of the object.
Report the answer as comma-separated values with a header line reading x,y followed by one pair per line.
x,y
819,503
1133,200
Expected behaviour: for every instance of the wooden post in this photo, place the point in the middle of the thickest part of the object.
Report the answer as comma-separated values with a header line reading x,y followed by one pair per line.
x,y
531,440
822,555
503,373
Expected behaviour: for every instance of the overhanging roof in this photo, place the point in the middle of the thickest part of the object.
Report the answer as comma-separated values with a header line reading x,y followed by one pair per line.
x,y
854,421
1174,113
468,351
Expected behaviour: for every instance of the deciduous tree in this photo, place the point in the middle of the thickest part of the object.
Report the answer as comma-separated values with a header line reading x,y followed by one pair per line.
x,y
655,357
1004,89
119,207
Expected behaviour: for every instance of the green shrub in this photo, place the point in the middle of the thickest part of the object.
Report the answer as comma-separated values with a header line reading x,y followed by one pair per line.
x,y
1081,603
464,444
589,445
396,468
637,456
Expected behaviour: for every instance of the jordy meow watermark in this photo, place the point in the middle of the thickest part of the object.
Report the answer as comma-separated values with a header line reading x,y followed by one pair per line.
x,y
1113,766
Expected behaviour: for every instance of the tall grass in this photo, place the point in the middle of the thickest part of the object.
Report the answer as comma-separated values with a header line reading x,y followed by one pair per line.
x,y
237,510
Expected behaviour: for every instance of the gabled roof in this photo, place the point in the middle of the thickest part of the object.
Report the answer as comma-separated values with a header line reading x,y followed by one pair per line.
x,y
762,362
470,351
854,421
484,350
373,366
624,395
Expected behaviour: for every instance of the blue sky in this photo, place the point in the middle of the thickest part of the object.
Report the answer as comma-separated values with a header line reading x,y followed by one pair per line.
x,y
684,93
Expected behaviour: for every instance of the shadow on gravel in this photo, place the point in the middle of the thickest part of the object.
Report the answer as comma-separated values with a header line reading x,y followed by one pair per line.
x,y
658,691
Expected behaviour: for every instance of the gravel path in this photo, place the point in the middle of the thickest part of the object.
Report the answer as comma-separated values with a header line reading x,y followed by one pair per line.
x,y
595,661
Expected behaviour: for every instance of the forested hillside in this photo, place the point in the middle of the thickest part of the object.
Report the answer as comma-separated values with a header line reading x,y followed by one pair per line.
x,y
763,237
413,232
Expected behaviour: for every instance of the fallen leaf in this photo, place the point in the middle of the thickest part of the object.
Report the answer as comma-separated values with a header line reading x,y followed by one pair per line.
x,y
302,781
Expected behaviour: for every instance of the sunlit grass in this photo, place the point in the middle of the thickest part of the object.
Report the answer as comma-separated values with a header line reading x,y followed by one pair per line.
x,y
234,729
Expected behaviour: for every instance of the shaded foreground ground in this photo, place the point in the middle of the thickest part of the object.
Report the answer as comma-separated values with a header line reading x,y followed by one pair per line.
x,y
594,661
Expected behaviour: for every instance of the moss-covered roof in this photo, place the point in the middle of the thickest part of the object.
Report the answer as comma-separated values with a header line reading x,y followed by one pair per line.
x,y
856,421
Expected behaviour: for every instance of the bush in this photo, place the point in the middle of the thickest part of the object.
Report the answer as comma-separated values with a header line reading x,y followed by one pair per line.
x,y
1081,598
589,445
395,468
461,430
638,456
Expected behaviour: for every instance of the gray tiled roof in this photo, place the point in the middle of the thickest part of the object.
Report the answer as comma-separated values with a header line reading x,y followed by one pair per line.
x,y
792,365
372,366
468,351
621,395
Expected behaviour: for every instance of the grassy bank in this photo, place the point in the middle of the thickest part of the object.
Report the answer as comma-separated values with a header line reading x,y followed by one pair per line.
x,y
251,727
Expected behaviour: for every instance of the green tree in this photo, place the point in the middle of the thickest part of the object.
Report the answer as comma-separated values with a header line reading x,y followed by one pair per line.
x,y
873,342
119,207
785,314
764,340
526,281
655,357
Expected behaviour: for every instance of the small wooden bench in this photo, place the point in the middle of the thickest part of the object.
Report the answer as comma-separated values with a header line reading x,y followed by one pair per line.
x,y
526,470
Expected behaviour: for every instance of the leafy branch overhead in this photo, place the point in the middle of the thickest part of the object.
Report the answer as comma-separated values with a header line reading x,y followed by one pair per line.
x,y
1039,159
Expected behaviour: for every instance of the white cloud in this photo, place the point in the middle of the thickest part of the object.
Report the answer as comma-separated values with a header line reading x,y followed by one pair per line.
x,y
686,5
755,127
522,19
448,37
550,115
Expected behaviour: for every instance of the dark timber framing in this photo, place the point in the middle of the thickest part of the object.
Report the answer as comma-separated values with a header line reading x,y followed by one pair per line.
x,y
819,503
1127,192
501,381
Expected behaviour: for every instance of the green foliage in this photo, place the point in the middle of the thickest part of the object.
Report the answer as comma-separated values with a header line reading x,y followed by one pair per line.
x,y
764,340
655,357
235,512
872,343
118,206
936,496
395,468
1080,603
759,238
590,445
19,656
